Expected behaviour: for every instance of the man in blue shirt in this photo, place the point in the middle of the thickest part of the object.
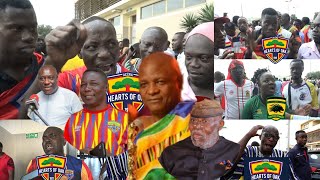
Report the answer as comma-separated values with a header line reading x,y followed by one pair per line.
x,y
299,157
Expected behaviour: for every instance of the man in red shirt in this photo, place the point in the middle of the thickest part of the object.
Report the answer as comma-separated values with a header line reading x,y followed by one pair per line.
x,y
6,166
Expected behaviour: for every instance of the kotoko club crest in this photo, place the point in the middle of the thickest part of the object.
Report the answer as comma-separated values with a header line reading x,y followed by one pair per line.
x,y
123,90
275,48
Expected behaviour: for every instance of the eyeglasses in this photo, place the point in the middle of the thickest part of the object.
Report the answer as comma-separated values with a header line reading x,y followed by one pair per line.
x,y
269,135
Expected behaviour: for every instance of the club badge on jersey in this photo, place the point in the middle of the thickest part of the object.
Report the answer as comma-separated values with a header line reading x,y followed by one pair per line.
x,y
276,107
275,48
52,167
265,168
123,90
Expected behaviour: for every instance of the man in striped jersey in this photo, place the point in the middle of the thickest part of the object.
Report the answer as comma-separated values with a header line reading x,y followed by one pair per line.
x,y
236,89
99,122
269,138
52,144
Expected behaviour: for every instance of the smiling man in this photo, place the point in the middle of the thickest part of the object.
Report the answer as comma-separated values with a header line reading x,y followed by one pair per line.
x,y
99,122
56,104
160,88
199,156
52,144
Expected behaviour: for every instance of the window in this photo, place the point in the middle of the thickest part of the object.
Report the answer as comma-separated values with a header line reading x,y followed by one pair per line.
x,y
146,12
174,4
116,21
159,8
193,2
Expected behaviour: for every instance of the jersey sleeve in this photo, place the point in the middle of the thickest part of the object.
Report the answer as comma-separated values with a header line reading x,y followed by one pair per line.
x,y
10,164
219,89
314,102
63,80
85,172
31,166
76,104
247,110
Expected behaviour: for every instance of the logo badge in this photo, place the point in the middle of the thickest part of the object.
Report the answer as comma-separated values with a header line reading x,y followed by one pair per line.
x,y
51,167
124,90
114,126
275,48
276,107
262,168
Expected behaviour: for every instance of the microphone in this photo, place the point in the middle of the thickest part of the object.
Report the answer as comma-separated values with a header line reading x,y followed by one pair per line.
x,y
34,106
33,102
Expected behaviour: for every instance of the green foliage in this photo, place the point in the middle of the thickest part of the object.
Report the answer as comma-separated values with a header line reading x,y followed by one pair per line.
x,y
51,160
265,165
275,42
159,174
206,14
189,22
43,30
313,75
124,82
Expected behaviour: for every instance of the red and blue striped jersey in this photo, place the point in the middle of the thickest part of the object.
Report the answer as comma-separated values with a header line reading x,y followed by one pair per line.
x,y
86,129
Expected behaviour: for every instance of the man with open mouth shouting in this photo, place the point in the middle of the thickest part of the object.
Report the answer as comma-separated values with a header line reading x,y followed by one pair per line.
x,y
52,144
100,50
269,138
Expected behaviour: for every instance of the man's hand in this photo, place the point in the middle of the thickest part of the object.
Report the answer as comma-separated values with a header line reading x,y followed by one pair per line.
x,y
65,42
227,55
304,111
254,130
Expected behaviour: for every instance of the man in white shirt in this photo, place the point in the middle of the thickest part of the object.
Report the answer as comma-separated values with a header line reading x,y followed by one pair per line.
x,y
310,50
236,90
298,92
56,104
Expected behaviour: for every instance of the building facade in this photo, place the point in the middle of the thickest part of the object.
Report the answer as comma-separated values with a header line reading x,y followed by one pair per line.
x,y
132,17
312,128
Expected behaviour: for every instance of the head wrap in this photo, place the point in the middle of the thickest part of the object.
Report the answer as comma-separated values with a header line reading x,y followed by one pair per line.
x,y
205,29
233,65
206,108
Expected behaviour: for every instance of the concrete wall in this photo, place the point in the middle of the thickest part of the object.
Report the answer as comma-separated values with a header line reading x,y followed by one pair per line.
x,y
20,149
17,146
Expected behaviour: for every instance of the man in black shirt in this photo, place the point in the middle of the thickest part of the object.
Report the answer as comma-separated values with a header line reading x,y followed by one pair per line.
x,y
299,157
205,154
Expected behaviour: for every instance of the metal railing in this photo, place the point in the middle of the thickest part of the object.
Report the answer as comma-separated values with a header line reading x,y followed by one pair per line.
x,y
87,8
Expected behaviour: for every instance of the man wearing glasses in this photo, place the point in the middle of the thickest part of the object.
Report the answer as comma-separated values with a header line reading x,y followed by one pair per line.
x,y
310,50
205,154
269,138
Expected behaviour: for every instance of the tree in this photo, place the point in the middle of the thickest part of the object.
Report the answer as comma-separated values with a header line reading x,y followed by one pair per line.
x,y
43,30
51,161
189,22
275,43
313,75
127,83
265,167
206,14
